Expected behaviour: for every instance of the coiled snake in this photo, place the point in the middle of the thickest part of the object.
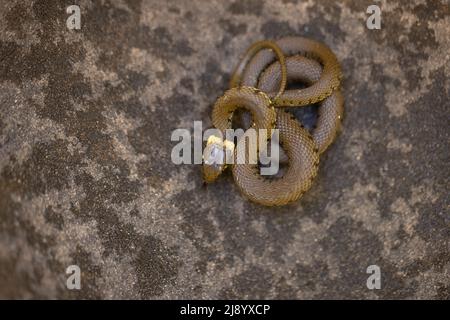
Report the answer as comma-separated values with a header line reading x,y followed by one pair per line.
x,y
253,88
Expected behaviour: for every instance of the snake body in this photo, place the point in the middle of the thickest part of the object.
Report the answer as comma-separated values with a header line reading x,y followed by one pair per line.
x,y
254,88
308,71
329,78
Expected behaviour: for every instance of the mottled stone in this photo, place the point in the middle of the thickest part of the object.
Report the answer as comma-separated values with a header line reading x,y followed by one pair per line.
x,y
86,177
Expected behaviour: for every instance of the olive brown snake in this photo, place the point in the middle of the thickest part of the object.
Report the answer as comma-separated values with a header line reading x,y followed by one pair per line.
x,y
254,88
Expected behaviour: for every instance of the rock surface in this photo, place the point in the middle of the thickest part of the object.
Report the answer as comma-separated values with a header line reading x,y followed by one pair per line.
x,y
86,177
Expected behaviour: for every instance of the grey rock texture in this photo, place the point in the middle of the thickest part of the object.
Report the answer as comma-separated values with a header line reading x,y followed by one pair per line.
x,y
86,177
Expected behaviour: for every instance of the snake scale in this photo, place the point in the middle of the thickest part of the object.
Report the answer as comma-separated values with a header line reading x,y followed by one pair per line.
x,y
266,66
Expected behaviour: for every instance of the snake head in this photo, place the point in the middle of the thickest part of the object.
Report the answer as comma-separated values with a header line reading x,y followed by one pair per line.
x,y
215,155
